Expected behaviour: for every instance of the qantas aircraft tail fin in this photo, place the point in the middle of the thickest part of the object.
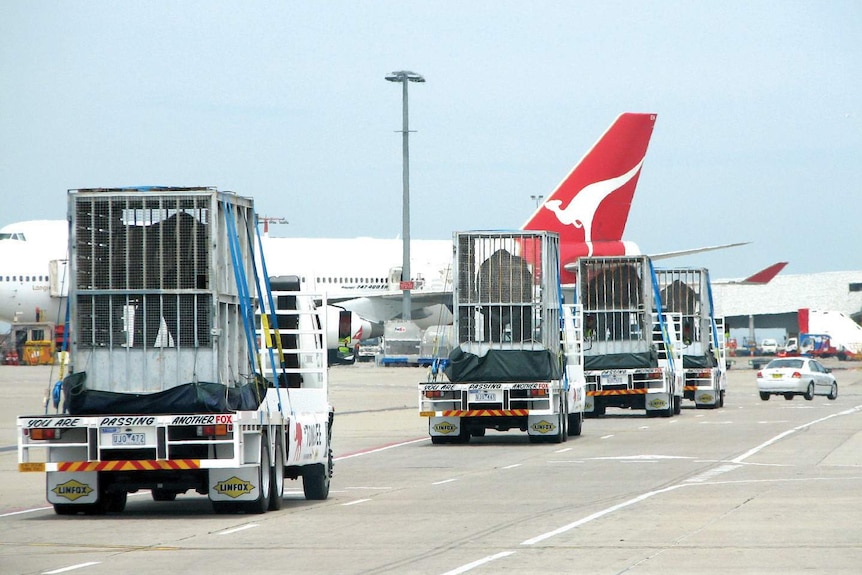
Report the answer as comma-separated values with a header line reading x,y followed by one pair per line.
x,y
592,203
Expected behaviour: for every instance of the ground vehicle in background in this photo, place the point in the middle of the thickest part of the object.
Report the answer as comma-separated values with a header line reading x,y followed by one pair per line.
x,y
168,389
632,350
436,345
816,345
401,339
369,348
790,376
768,346
517,361
688,293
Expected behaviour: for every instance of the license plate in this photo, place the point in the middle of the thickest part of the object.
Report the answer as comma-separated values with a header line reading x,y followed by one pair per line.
x,y
483,396
614,379
128,439
776,376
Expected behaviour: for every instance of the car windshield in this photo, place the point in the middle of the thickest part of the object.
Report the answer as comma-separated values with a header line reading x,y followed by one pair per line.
x,y
788,363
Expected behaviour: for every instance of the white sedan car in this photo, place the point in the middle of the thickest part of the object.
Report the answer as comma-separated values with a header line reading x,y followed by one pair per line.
x,y
789,376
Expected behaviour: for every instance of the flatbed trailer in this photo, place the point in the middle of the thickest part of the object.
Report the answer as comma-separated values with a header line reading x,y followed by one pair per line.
x,y
688,293
632,358
517,363
167,388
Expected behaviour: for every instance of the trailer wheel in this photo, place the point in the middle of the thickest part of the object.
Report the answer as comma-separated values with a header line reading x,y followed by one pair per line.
x,y
721,398
562,425
276,479
164,495
315,480
66,509
439,439
115,502
677,405
264,476
576,423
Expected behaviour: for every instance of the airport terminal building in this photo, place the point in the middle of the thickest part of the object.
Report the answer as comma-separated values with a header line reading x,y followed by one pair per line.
x,y
775,305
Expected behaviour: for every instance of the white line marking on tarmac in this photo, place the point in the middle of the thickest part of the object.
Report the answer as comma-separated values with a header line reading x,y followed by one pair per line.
x,y
565,449
240,528
513,466
598,514
780,436
70,568
379,449
478,563
444,481
11,513
606,436
722,469
354,502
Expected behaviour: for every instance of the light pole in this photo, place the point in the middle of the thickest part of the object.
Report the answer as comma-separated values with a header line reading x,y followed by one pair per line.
x,y
404,77
536,199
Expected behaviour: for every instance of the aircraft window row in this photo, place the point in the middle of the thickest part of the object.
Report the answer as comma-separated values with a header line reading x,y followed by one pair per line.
x,y
24,278
342,280
12,236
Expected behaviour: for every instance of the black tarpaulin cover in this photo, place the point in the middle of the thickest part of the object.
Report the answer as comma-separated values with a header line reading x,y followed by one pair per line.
x,y
621,360
694,361
188,398
502,366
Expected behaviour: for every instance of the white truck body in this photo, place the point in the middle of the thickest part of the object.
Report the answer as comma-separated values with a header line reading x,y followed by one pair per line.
x,y
517,363
631,354
168,390
687,292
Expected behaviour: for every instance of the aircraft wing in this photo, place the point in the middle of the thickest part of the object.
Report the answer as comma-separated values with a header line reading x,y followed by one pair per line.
x,y
689,252
427,307
762,277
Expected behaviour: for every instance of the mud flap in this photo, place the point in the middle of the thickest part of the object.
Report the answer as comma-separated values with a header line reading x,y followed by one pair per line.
x,y
234,484
543,425
444,426
706,398
659,402
75,488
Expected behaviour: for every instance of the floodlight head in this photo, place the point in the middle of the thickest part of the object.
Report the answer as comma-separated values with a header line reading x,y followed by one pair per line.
x,y
405,76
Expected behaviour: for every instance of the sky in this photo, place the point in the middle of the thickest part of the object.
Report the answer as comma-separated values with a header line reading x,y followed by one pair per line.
x,y
758,137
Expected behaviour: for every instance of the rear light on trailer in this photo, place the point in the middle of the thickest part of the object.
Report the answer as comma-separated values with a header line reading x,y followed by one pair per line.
x,y
219,430
656,374
43,433
434,394
539,393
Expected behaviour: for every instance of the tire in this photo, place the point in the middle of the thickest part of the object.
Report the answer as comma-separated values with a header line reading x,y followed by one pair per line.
x,y
764,396
788,396
833,393
163,495
721,398
478,432
226,507
439,439
576,424
677,405
276,479
315,480
562,426
66,509
809,393
264,477
116,502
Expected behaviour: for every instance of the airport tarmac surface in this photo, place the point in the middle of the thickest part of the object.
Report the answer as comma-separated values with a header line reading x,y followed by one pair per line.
x,y
756,487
